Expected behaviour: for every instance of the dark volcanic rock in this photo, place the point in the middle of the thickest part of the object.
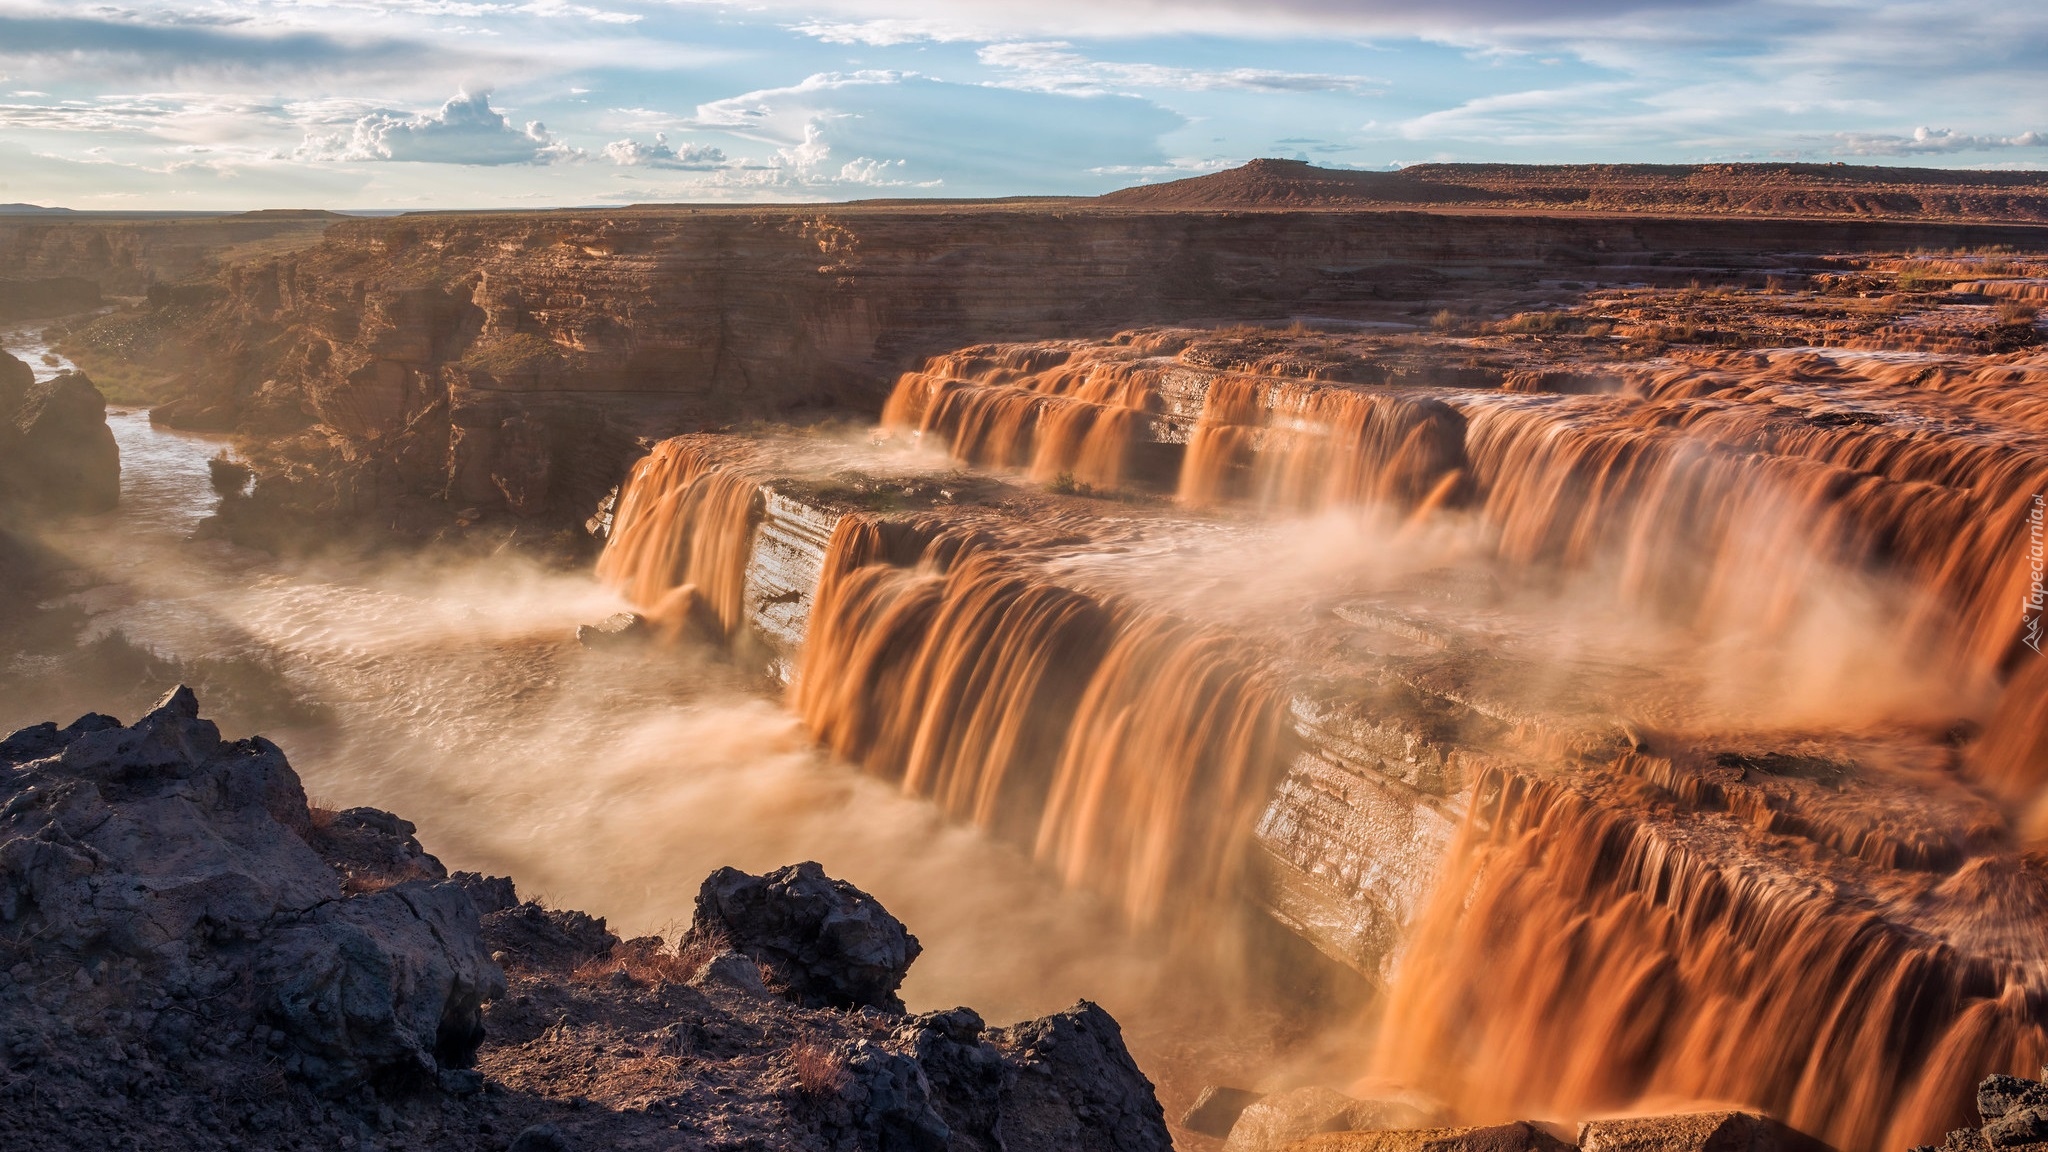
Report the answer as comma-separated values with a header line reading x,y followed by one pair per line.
x,y
160,882
822,941
198,960
56,452
1078,1087
2015,1114
489,893
1998,1095
548,937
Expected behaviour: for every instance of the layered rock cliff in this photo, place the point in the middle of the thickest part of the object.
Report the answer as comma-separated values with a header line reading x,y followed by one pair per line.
x,y
510,362
116,255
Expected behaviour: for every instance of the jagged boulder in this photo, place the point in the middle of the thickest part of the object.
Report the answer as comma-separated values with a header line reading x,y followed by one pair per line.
x,y
182,869
2013,1111
1077,1087
820,941
56,452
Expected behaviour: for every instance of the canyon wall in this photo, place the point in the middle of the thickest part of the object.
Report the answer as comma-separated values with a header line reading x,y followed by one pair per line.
x,y
126,255
515,362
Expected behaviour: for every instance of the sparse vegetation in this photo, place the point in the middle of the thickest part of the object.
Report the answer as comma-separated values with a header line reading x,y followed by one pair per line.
x,y
1066,484
649,960
820,1068
1538,323
2015,312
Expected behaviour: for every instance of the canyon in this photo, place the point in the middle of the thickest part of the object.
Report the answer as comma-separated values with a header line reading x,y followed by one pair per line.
x,y
1585,662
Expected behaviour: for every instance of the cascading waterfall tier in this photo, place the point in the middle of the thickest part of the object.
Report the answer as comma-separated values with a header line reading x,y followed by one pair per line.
x,y
1130,750
1648,963
680,540
1815,908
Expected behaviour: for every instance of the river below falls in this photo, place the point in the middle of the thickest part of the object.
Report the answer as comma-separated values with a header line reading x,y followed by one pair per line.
x,y
450,690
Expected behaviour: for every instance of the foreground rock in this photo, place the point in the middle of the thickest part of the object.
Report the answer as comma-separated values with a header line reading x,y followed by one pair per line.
x,y
200,960
821,941
2014,1111
181,949
56,451
746,1033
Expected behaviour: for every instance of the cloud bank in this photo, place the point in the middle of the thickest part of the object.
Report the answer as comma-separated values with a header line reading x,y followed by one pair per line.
x,y
465,130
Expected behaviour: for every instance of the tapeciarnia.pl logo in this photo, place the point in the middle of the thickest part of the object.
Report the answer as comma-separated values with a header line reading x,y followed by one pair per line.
x,y
2037,563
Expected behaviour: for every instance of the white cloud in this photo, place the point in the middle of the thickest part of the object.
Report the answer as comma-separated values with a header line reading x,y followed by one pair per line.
x,y
690,157
1053,66
466,130
1933,142
883,33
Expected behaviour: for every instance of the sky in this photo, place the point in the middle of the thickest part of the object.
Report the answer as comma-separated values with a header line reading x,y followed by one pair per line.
x,y
408,104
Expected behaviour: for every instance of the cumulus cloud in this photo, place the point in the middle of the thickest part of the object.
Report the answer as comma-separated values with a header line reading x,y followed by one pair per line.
x,y
465,130
1053,66
691,157
1933,142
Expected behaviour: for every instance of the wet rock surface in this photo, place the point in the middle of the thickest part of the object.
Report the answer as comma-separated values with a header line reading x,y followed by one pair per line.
x,y
198,959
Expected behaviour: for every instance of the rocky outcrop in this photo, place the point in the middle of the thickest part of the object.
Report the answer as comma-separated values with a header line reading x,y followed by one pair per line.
x,y
2014,1112
197,959
56,452
769,1064
818,940
160,887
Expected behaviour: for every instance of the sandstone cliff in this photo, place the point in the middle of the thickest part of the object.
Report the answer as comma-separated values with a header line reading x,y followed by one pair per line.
x,y
123,255
1776,190
511,362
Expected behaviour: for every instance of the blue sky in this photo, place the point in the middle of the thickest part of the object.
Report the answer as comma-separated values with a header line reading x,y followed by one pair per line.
x,y
379,104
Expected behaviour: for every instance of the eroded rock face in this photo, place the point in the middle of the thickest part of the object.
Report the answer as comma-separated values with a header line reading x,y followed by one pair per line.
x,y
161,885
2014,1112
56,452
822,941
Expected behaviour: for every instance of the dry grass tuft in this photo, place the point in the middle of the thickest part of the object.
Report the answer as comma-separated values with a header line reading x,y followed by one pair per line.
x,y
820,1068
645,960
